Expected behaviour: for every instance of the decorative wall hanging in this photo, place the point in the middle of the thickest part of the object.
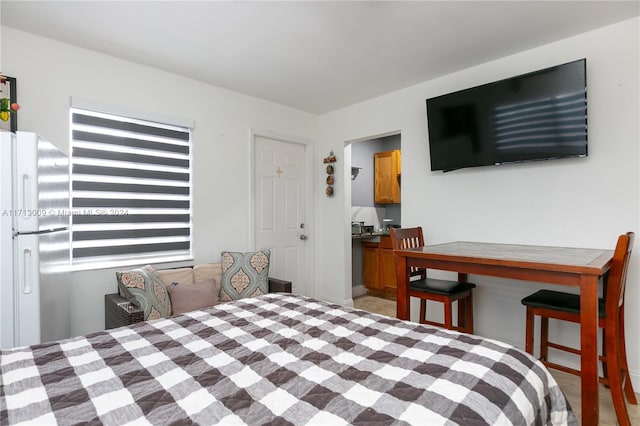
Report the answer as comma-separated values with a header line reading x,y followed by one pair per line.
x,y
8,104
330,170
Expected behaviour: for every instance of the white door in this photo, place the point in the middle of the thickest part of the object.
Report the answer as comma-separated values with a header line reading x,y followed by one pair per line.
x,y
279,202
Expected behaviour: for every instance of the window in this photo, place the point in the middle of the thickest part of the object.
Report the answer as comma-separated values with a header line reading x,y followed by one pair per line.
x,y
130,191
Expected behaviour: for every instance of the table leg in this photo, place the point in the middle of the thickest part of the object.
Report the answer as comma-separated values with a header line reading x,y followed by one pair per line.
x,y
462,304
589,348
402,288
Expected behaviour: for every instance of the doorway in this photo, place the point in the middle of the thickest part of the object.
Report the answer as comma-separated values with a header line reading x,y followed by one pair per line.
x,y
362,207
280,208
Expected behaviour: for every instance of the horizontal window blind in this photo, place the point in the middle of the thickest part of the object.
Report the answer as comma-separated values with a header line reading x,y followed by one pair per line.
x,y
130,189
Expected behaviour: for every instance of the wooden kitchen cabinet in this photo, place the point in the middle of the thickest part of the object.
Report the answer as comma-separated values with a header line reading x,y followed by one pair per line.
x,y
386,180
387,268
370,268
378,268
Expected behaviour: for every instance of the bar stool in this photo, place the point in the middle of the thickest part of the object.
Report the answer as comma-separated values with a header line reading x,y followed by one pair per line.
x,y
433,289
564,306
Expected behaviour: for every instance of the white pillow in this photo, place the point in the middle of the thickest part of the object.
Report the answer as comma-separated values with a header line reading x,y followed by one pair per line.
x,y
179,275
208,271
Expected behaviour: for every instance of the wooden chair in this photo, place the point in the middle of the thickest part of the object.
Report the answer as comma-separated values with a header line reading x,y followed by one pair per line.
x,y
435,289
563,306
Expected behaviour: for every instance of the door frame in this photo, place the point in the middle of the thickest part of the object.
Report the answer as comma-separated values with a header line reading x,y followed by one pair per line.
x,y
348,266
308,199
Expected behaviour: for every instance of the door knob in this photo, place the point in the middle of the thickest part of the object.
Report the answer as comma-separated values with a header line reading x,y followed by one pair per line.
x,y
303,237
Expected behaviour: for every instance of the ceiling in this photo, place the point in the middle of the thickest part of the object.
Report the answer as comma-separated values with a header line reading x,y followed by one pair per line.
x,y
314,56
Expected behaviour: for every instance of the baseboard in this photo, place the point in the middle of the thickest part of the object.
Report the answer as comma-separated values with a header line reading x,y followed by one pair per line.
x,y
358,290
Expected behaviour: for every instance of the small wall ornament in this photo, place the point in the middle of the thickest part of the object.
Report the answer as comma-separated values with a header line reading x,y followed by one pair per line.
x,y
330,170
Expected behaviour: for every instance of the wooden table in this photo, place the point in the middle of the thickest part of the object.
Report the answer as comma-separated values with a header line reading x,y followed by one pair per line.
x,y
556,265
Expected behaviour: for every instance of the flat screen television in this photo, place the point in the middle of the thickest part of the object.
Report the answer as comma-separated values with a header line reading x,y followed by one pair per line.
x,y
535,116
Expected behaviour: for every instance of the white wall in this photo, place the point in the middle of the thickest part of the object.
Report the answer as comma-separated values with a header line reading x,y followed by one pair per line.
x,y
577,202
0,41
49,73
584,202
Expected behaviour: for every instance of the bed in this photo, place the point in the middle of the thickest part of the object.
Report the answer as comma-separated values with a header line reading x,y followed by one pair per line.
x,y
277,359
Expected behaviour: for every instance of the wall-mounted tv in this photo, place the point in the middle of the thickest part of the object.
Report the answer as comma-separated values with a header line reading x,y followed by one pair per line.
x,y
536,116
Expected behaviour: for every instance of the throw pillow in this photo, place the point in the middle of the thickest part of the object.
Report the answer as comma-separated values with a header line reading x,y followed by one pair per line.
x,y
191,297
177,275
207,271
244,274
142,287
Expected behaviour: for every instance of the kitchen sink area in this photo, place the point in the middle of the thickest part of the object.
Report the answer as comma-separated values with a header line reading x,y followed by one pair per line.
x,y
370,232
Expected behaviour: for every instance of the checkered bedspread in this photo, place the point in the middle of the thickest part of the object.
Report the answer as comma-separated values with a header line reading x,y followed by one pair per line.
x,y
277,359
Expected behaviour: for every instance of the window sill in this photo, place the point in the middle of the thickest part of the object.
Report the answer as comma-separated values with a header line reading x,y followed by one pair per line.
x,y
138,261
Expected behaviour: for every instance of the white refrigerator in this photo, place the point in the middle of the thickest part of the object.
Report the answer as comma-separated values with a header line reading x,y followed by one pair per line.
x,y
34,240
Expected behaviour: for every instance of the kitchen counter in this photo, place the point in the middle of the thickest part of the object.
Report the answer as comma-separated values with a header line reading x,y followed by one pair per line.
x,y
368,236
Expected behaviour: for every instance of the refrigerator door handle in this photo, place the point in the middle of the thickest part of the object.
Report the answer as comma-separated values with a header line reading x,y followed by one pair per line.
x,y
26,193
27,278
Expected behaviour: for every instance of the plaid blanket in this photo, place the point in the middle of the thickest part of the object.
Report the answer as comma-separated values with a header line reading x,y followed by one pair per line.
x,y
277,359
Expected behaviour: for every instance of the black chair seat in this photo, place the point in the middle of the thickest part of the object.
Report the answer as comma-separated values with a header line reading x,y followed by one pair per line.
x,y
426,289
559,301
444,287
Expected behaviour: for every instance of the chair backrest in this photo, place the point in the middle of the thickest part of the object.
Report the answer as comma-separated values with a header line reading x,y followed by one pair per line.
x,y
617,277
404,238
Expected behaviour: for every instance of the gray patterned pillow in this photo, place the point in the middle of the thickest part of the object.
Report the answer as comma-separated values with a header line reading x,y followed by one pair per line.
x,y
143,287
244,274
